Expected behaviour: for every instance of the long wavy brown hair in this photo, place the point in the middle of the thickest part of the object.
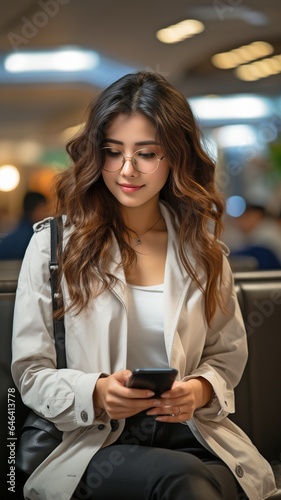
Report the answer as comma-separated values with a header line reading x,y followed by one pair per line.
x,y
94,213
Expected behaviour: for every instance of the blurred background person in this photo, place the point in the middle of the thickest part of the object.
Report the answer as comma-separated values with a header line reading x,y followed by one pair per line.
x,y
260,237
7,222
35,208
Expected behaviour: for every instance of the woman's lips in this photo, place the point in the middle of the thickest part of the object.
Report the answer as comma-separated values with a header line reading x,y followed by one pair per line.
x,y
129,188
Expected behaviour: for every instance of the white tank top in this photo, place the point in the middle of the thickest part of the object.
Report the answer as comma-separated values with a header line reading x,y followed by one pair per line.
x,y
146,346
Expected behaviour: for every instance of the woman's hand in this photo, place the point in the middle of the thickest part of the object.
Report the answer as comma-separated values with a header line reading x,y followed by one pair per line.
x,y
112,395
179,404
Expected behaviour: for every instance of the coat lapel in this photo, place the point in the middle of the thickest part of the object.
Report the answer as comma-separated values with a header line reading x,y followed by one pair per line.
x,y
176,285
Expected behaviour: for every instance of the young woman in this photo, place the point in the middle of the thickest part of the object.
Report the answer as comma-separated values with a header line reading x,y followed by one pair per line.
x,y
146,283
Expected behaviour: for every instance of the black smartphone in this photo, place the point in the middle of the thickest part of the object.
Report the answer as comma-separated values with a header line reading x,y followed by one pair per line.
x,y
157,380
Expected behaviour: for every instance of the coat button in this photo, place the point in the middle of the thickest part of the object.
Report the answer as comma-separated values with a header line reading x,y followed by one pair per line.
x,y
114,425
239,471
84,416
101,427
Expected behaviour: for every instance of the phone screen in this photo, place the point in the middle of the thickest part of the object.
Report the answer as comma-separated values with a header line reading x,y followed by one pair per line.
x,y
157,380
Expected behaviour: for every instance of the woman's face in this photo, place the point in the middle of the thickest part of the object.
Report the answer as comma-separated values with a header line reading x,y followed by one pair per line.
x,y
128,134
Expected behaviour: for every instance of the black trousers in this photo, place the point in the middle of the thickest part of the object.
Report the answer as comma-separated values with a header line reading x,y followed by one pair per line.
x,y
156,461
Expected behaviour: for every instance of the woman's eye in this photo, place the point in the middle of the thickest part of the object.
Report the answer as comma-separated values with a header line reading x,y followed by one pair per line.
x,y
146,155
113,153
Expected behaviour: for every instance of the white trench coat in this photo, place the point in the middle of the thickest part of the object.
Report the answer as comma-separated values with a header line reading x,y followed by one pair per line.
x,y
96,342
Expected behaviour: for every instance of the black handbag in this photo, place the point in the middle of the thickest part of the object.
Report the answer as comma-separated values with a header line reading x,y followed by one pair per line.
x,y
39,437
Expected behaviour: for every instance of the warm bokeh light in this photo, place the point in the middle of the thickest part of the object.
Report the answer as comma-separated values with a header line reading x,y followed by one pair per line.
x,y
41,179
180,31
259,69
242,55
9,177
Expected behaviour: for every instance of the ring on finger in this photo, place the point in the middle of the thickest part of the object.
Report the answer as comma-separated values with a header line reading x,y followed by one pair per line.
x,y
176,414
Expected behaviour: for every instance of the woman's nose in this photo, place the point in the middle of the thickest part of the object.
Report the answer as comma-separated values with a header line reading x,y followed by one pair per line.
x,y
128,166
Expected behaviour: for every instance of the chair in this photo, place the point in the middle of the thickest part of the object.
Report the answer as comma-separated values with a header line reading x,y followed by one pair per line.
x,y
258,402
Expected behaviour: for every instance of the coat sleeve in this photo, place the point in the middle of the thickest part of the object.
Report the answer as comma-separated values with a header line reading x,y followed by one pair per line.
x,y
225,353
63,396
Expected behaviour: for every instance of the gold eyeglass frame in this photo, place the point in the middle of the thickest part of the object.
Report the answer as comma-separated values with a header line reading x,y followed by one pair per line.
x,y
133,160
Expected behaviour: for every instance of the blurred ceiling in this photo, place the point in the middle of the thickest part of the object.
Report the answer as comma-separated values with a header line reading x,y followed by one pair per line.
x,y
124,31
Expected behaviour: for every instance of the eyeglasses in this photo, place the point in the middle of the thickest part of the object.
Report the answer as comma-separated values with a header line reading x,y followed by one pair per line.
x,y
144,161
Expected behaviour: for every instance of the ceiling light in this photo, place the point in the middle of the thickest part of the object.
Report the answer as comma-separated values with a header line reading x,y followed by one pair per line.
x,y
259,69
9,177
233,136
246,73
260,49
226,60
180,31
243,54
274,64
55,60
230,108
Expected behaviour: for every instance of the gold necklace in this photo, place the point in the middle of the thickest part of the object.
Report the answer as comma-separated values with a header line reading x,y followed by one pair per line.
x,y
139,236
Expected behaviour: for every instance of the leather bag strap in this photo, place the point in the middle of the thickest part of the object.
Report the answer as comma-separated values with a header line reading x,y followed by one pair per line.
x,y
59,329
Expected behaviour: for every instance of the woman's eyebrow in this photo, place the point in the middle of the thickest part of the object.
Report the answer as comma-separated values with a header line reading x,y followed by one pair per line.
x,y
114,141
143,143
139,143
